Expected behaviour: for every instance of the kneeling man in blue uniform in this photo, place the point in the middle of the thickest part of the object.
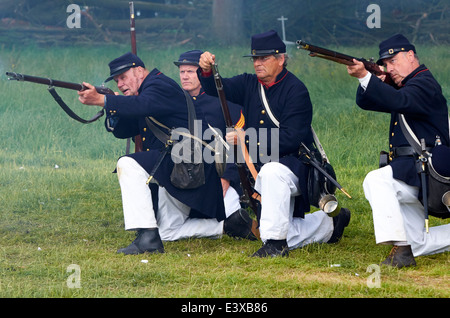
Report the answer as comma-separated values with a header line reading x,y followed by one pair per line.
x,y
394,191
159,211
210,108
282,180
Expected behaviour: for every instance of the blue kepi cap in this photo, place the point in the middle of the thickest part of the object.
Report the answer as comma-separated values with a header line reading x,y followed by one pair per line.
x,y
123,64
395,44
189,58
267,43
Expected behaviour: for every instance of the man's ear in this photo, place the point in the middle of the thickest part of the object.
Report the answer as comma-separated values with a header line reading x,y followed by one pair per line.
x,y
139,72
410,55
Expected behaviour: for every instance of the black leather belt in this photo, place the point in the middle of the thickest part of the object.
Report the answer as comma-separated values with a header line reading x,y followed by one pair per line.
x,y
405,151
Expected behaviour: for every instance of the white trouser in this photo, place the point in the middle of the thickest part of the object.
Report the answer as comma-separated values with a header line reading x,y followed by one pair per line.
x,y
278,187
172,220
136,196
398,215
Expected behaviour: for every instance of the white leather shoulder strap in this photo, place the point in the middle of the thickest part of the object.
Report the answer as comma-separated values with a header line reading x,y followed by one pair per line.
x,y
272,117
262,95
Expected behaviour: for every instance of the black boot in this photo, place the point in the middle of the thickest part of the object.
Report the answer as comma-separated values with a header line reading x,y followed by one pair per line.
x,y
400,256
339,223
239,225
273,248
147,240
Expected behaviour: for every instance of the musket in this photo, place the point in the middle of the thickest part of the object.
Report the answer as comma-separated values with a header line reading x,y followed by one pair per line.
x,y
68,85
137,139
250,196
51,82
370,65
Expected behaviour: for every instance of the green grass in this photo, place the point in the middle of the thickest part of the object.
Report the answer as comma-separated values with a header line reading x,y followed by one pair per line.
x,y
61,203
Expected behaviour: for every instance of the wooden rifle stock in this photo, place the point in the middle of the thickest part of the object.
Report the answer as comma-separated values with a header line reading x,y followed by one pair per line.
x,y
250,197
370,65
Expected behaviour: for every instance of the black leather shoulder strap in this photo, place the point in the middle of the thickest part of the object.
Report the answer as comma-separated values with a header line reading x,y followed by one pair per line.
x,y
69,112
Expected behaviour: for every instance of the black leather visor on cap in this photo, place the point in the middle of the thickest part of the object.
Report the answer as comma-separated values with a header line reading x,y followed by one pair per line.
x,y
390,53
263,52
186,62
119,70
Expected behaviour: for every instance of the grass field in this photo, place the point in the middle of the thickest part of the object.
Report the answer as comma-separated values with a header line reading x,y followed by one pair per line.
x,y
61,216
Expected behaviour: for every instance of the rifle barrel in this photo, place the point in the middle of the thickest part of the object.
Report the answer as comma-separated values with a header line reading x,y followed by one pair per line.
x,y
222,97
132,29
339,57
323,51
138,145
249,196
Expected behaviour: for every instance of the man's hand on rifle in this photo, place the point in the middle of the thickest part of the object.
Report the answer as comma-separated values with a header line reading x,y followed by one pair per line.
x,y
90,96
359,71
206,60
231,137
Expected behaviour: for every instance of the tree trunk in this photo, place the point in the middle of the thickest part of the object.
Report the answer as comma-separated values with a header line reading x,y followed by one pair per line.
x,y
227,22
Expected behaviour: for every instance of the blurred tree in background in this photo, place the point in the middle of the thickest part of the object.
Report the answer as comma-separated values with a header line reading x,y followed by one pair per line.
x,y
224,22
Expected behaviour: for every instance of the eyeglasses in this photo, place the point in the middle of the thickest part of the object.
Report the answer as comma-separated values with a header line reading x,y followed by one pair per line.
x,y
261,58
